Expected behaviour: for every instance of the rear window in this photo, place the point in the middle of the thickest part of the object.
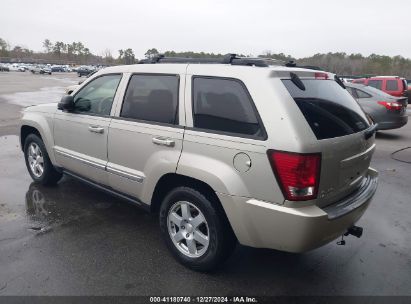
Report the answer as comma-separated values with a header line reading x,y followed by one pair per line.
x,y
375,84
392,85
329,109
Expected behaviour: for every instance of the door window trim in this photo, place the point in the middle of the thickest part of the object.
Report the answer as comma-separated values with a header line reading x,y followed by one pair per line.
x,y
176,123
114,97
263,137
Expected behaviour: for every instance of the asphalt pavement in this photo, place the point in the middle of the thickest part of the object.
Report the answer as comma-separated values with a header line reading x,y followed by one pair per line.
x,y
74,240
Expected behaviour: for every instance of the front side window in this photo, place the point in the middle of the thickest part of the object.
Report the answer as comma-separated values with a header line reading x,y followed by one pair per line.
x,y
375,84
224,105
97,96
152,98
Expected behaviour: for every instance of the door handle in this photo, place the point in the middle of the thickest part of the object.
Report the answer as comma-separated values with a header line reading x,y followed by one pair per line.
x,y
96,129
163,141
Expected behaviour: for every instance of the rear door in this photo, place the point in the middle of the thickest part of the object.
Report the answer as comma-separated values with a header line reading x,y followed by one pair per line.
x,y
339,124
146,134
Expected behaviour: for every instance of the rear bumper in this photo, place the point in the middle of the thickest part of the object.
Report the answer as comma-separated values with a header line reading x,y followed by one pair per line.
x,y
398,123
266,225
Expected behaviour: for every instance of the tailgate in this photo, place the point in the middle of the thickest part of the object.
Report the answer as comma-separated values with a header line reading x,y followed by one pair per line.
x,y
345,162
340,127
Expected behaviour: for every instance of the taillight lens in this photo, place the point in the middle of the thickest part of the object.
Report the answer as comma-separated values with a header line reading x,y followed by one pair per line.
x,y
321,76
391,105
297,174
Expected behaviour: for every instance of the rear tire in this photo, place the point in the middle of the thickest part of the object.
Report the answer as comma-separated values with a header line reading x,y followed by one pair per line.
x,y
38,162
200,238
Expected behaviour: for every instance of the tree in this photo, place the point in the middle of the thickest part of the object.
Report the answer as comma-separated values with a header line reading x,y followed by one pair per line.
x,y
48,46
59,48
108,57
151,53
126,56
129,57
17,51
4,47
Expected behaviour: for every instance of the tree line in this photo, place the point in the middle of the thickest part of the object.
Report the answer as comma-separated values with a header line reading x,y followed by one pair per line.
x,y
340,63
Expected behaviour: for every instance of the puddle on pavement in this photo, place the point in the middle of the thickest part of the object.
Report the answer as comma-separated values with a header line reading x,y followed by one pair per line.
x,y
44,95
28,208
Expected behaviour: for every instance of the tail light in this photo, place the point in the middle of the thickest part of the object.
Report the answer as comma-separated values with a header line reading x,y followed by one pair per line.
x,y
321,76
391,105
297,174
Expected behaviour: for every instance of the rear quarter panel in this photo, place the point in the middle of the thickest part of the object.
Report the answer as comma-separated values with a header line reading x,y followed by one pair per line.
x,y
209,157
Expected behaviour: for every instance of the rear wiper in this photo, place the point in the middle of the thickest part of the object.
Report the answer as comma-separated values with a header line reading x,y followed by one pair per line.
x,y
370,132
297,81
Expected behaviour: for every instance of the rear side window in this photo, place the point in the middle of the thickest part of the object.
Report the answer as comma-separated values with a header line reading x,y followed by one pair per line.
x,y
362,94
329,109
224,105
392,85
352,92
375,84
152,98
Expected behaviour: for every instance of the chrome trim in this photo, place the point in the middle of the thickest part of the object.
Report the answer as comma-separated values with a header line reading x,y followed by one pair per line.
x,y
134,177
365,154
82,160
122,173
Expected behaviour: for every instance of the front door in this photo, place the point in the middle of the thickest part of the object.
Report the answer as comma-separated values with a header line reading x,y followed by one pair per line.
x,y
80,136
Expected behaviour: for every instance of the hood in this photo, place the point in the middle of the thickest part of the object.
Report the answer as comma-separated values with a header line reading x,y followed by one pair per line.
x,y
43,108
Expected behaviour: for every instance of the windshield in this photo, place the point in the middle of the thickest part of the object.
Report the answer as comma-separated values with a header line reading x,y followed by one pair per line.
x,y
329,109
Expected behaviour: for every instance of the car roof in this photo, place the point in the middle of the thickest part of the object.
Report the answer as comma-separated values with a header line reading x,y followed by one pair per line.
x,y
183,67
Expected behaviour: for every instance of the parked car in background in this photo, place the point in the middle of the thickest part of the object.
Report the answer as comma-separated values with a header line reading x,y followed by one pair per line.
x,y
72,88
14,67
22,68
150,133
4,68
84,71
386,110
41,70
57,68
392,85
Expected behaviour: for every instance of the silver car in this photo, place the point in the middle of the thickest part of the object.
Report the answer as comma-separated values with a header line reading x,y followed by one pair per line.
x,y
386,110
228,151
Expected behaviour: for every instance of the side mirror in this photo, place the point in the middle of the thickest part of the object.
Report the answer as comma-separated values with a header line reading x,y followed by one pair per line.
x,y
66,103
81,81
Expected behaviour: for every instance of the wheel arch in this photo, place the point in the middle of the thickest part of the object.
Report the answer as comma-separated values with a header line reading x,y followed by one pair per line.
x,y
25,131
170,181
37,125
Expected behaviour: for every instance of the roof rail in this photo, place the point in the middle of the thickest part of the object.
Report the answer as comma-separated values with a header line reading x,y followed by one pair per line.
x,y
232,59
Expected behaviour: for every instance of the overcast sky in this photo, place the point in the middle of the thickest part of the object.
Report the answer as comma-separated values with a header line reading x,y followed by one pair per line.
x,y
297,27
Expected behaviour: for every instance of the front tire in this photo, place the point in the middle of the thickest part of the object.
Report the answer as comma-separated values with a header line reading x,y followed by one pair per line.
x,y
38,162
195,229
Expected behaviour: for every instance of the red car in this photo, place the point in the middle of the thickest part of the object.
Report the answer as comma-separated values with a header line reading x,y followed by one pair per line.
x,y
392,85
